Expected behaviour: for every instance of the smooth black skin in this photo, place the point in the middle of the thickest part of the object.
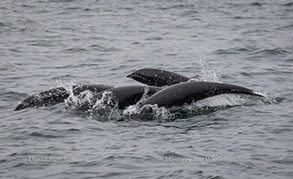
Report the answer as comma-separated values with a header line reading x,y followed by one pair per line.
x,y
123,96
188,92
57,95
157,77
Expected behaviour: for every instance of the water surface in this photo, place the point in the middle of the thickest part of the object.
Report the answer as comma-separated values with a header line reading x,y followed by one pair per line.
x,y
49,43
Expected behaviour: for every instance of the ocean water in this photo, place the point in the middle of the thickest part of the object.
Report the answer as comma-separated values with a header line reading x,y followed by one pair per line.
x,y
49,43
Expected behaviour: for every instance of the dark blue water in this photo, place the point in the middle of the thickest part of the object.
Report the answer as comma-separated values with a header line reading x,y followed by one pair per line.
x,y
49,43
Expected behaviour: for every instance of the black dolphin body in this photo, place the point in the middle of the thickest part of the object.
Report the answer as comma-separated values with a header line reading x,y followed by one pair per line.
x,y
123,96
188,92
182,91
57,95
157,77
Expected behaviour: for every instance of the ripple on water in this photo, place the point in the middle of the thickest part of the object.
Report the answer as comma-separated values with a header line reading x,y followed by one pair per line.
x,y
270,52
45,135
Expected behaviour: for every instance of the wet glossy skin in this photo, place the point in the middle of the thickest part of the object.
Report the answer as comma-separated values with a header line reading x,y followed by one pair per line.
x,y
188,92
157,77
57,95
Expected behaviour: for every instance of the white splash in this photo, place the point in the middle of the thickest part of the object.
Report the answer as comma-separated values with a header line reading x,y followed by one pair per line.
x,y
208,74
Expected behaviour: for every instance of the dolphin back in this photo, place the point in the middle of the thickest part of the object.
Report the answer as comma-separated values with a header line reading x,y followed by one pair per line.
x,y
188,92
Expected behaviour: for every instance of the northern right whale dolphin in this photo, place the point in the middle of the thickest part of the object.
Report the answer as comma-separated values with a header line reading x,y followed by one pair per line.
x,y
57,95
157,77
188,92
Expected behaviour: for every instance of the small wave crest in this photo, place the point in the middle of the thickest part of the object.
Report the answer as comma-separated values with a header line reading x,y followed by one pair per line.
x,y
148,112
